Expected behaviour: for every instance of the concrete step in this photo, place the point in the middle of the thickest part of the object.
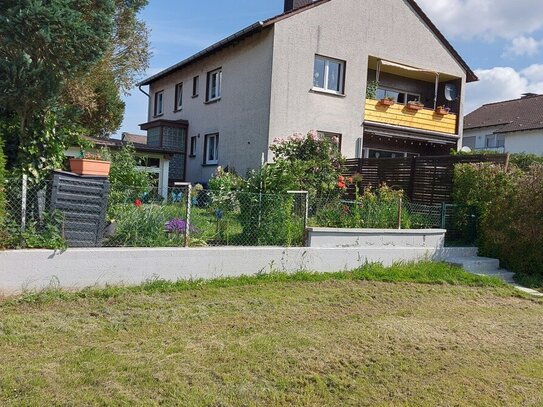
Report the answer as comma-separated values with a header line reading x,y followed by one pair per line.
x,y
457,252
475,264
502,274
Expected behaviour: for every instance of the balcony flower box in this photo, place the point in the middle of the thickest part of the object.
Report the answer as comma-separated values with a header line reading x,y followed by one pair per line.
x,y
87,166
413,105
442,111
387,102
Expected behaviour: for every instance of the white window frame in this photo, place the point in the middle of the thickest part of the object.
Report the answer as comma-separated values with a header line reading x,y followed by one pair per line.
x,y
218,74
159,107
193,146
404,92
195,86
207,141
341,79
178,96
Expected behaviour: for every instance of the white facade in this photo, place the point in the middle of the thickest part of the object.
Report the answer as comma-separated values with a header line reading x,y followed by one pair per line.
x,y
530,142
267,80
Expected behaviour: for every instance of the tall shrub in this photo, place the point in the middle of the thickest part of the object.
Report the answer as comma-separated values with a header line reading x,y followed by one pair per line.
x,y
2,182
510,210
127,182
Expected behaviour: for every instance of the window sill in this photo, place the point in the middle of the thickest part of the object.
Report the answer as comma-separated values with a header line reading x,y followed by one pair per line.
x,y
209,102
327,92
211,165
192,155
178,110
194,96
158,115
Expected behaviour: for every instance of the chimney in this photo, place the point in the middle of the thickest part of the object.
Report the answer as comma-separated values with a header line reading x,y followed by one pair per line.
x,y
529,95
294,4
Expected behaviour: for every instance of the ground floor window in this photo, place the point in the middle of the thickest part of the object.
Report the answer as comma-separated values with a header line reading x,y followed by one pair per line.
x,y
334,137
211,153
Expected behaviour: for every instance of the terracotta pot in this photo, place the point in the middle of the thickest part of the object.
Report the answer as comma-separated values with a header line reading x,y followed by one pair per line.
x,y
83,166
442,111
387,102
414,106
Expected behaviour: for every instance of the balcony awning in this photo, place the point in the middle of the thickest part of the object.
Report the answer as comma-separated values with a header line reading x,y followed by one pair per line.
x,y
406,67
383,62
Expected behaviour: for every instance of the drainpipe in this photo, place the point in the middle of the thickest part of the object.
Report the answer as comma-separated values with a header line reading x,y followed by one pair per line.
x,y
142,91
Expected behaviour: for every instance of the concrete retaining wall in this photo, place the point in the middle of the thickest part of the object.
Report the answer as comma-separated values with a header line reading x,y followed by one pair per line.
x,y
78,268
390,238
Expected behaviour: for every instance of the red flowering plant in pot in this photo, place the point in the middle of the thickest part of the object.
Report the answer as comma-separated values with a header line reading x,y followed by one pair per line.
x,y
90,164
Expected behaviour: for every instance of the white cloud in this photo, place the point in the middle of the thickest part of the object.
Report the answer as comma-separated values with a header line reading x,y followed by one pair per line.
x,y
485,19
503,83
521,46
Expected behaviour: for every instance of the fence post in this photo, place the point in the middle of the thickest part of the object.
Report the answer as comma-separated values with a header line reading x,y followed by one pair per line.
x,y
443,215
306,208
24,191
188,186
400,213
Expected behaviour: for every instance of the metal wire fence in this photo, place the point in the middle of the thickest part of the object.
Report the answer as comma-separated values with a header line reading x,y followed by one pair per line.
x,y
87,213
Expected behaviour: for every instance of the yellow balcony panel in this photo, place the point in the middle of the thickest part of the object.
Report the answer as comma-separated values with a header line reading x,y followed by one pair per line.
x,y
400,115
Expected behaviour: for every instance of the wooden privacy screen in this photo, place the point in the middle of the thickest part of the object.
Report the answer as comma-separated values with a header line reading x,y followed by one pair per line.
x,y
425,180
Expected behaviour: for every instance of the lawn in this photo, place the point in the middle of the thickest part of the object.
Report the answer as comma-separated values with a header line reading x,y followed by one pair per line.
x,y
374,336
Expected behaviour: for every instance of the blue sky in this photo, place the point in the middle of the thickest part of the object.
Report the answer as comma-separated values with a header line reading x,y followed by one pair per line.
x,y
502,40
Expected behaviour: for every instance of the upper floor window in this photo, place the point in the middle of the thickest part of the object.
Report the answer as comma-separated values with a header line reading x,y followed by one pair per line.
x,y
397,95
195,86
179,96
159,103
214,79
328,74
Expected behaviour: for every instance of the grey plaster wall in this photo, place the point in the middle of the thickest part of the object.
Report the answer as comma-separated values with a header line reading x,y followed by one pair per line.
x,y
349,30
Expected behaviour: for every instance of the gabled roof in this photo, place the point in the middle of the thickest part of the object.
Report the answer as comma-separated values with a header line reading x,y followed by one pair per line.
x,y
261,25
515,115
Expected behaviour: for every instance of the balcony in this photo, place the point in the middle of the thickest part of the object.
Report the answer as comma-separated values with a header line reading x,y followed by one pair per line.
x,y
400,115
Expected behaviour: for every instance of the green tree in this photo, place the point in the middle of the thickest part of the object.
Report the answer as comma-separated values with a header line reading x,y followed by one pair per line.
x,y
44,44
96,96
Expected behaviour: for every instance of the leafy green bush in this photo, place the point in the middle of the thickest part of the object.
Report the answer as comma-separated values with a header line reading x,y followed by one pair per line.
x,y
372,209
523,161
2,182
127,182
510,209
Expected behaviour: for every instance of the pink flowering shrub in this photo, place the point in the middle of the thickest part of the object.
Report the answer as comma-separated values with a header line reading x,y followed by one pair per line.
x,y
302,162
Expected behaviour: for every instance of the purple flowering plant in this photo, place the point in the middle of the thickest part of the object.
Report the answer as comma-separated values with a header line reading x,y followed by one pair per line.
x,y
178,225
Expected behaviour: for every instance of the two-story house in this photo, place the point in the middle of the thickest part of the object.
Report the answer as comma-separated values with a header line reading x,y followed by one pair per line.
x,y
334,66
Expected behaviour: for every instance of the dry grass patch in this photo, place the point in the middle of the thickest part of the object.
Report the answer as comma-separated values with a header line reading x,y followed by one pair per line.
x,y
335,342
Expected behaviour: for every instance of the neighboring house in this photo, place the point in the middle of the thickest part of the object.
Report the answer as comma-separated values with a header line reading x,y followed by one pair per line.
x,y
513,126
308,69
151,159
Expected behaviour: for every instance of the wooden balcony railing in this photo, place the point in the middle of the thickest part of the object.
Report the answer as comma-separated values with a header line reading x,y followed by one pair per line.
x,y
399,115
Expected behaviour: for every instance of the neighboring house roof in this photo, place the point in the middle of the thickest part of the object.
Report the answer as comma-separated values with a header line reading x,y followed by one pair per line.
x,y
261,25
134,138
140,148
515,115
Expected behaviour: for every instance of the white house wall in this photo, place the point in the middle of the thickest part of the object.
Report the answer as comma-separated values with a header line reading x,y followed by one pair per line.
x,y
349,30
241,116
479,135
524,142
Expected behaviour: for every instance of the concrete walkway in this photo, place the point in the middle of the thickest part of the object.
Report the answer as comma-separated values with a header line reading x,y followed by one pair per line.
x,y
485,266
